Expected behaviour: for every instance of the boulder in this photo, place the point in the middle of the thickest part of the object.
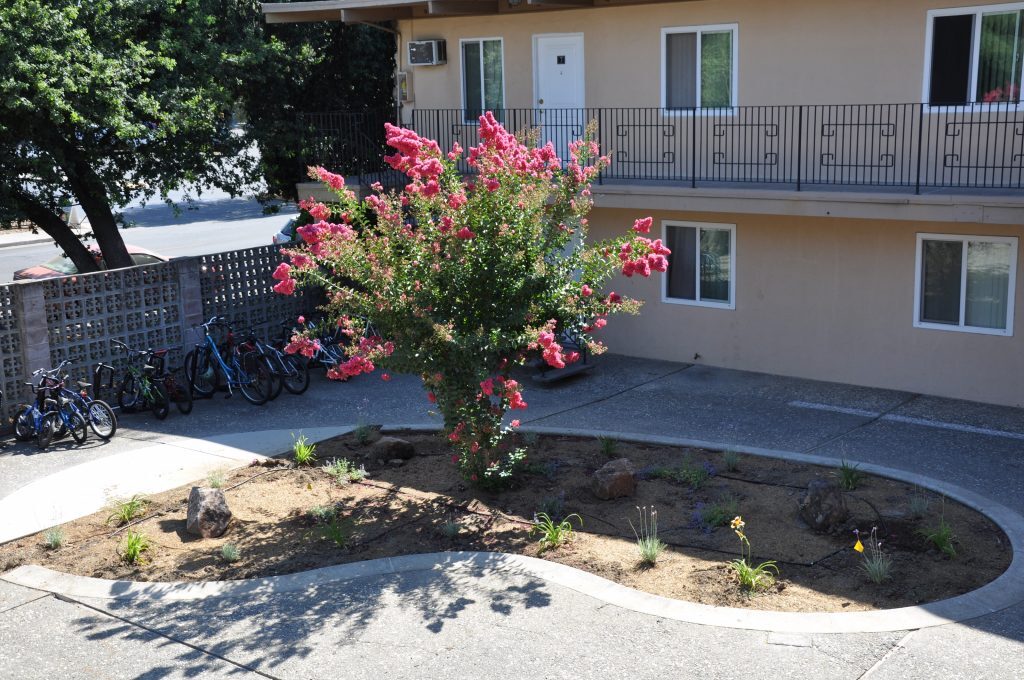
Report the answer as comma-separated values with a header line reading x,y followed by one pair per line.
x,y
614,479
208,512
823,507
390,448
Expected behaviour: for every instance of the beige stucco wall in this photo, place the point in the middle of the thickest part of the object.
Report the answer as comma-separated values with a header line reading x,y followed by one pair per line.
x,y
793,52
823,298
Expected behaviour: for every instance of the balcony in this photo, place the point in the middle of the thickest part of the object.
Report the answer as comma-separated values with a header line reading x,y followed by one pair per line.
x,y
903,147
879,148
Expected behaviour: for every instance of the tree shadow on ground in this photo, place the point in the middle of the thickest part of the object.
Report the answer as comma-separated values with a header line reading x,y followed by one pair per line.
x,y
271,629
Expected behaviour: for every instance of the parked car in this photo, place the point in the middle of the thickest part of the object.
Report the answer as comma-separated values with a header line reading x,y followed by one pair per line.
x,y
61,265
287,233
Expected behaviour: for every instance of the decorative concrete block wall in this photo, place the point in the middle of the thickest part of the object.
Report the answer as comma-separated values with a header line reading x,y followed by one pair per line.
x,y
75,317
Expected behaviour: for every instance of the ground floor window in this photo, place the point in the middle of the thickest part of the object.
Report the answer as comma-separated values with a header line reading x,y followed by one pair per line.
x,y
966,283
701,268
483,85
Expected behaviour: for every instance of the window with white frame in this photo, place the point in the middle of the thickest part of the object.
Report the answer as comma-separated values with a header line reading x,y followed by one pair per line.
x,y
483,83
701,268
698,67
966,283
976,54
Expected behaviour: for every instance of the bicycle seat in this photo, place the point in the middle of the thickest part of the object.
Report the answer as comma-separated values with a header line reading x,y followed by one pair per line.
x,y
159,352
83,384
49,403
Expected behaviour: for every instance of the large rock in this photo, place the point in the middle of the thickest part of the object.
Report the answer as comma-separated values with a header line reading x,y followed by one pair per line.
x,y
208,512
390,448
614,480
823,507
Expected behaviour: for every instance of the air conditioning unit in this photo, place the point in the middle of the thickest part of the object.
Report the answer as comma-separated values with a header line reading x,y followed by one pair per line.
x,y
427,52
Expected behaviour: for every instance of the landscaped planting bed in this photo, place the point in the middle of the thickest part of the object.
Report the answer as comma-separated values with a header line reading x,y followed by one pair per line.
x,y
291,518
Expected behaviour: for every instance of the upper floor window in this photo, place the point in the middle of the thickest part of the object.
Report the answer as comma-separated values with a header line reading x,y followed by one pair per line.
x,y
975,54
698,67
966,283
483,82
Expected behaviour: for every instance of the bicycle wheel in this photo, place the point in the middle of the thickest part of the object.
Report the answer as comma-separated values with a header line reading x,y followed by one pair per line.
x,y
101,419
179,392
76,423
129,394
296,380
24,427
255,381
276,380
47,429
201,371
160,404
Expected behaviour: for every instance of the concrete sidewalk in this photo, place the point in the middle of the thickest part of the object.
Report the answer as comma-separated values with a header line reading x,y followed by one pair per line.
x,y
458,622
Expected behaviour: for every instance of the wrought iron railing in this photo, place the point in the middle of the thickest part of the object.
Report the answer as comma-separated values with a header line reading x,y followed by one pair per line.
x,y
348,142
912,146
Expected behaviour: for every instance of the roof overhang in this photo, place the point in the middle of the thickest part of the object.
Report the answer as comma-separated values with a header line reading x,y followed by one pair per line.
x,y
362,11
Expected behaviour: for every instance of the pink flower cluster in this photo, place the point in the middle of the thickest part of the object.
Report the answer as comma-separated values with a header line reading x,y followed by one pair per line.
x,y
284,276
318,211
500,151
319,234
418,157
642,255
504,388
336,182
300,344
354,366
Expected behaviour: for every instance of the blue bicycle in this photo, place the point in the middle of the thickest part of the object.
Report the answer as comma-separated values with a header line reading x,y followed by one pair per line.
x,y
53,413
208,365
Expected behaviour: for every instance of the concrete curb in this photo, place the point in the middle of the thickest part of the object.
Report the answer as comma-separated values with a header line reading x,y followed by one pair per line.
x,y
27,242
1005,591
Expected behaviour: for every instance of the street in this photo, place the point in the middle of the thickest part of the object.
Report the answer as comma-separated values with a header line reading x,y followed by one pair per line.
x,y
216,224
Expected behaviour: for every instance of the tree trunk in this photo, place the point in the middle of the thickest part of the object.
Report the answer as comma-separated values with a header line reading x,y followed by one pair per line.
x,y
55,228
88,188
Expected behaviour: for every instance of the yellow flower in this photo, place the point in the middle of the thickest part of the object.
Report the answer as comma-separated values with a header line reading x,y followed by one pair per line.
x,y
737,522
858,546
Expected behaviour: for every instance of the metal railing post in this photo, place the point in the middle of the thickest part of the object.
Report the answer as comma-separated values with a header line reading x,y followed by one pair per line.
x,y
799,145
693,149
920,131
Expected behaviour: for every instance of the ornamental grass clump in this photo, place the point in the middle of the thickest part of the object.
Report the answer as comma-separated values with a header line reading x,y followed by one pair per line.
x,y
648,544
876,563
752,578
553,534
465,278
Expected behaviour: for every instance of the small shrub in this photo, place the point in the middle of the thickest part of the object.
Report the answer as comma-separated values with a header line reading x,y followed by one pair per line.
x,y
850,476
941,536
451,529
751,577
920,503
708,516
135,543
688,472
323,514
364,433
216,479
338,530
553,534
229,552
548,469
127,510
648,544
305,453
609,446
54,538
731,461
345,471
877,565
552,506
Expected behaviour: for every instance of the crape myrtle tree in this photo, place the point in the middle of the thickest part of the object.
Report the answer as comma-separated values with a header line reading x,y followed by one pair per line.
x,y
105,100
466,278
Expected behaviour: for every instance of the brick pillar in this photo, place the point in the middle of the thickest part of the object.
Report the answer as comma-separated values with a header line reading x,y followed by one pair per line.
x,y
34,331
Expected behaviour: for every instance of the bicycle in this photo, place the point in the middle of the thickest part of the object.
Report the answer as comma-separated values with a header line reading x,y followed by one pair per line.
x,y
139,388
288,370
52,414
207,364
96,412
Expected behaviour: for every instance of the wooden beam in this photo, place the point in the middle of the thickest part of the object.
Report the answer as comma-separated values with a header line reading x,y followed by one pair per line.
x,y
356,16
560,3
455,7
302,17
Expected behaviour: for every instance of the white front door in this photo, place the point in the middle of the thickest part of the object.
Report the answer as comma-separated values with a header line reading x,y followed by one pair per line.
x,y
558,87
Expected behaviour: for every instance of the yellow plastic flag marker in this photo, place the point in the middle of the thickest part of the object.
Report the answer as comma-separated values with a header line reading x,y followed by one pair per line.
x,y
858,546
